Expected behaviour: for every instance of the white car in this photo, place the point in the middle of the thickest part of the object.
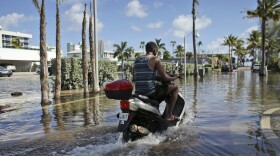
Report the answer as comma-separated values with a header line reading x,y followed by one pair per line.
x,y
256,68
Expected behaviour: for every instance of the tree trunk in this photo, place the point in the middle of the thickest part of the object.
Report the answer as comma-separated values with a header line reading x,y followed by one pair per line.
x,y
92,56
194,40
84,55
58,54
43,57
262,71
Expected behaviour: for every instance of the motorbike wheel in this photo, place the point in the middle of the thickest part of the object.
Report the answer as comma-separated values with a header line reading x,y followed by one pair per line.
x,y
126,136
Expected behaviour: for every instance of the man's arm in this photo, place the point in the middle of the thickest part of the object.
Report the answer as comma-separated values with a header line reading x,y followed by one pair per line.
x,y
161,71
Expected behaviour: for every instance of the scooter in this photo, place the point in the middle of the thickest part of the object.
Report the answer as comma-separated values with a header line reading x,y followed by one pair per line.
x,y
140,114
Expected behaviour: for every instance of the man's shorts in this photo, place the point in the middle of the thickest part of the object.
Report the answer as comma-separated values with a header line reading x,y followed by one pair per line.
x,y
161,92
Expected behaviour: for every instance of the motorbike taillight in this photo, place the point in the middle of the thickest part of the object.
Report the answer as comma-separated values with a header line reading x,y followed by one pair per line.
x,y
124,104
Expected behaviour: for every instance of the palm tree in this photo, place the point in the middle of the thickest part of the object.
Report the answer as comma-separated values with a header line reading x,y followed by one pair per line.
x,y
173,43
267,9
142,45
179,51
91,50
160,46
166,55
58,53
254,42
272,47
84,54
195,2
43,53
199,44
230,41
119,52
240,50
128,52
189,55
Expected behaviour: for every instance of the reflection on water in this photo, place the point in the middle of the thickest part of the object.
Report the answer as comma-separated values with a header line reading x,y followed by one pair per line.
x,y
70,114
222,118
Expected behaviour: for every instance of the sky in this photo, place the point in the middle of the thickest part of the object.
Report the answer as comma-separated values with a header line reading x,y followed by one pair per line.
x,y
134,21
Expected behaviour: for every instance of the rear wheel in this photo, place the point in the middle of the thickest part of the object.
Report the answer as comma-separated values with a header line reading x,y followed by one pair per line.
x,y
126,136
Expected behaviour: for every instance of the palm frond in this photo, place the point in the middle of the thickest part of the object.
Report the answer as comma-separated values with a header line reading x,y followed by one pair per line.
x,y
37,5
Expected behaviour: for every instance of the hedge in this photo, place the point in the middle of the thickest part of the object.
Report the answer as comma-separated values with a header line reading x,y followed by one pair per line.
x,y
72,77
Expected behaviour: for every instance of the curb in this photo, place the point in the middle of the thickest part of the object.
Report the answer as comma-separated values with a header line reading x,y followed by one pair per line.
x,y
267,131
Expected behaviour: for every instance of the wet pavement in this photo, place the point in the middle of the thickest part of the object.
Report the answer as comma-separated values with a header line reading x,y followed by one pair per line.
x,y
224,116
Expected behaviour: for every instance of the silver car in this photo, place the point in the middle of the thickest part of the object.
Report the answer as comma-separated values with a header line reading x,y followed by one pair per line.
x,y
5,72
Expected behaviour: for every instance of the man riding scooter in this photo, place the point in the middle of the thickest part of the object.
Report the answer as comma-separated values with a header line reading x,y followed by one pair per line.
x,y
147,71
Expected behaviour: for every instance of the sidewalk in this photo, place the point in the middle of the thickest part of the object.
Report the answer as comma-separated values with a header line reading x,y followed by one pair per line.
x,y
270,124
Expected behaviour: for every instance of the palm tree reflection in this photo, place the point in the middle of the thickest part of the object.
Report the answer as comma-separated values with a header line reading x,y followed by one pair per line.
x,y
96,111
58,112
46,118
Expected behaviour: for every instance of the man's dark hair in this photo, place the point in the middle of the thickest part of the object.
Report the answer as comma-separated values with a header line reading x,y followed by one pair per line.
x,y
150,46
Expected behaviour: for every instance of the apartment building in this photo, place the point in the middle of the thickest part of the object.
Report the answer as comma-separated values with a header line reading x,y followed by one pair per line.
x,y
15,50
75,50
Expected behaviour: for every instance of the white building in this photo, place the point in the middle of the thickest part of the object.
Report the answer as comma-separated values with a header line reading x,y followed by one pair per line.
x,y
75,50
15,50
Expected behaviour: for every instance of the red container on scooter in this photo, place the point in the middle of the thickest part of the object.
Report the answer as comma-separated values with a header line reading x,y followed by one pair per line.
x,y
119,90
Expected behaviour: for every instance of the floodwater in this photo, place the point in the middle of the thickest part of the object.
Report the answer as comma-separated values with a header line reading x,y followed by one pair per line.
x,y
222,118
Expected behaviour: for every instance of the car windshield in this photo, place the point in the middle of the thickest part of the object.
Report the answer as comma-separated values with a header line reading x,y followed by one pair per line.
x,y
1,68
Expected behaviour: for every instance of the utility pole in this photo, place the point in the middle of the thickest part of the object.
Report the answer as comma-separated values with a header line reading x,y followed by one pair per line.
x,y
96,79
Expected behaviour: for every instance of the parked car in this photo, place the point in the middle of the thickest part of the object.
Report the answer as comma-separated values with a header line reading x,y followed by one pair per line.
x,y
256,67
5,72
225,68
9,66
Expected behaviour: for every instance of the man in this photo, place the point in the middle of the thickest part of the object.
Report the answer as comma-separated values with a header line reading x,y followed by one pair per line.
x,y
147,68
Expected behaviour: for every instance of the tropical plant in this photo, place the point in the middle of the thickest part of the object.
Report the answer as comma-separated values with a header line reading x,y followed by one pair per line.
x,y
91,51
166,55
266,9
173,43
43,53
84,54
195,2
272,47
254,42
128,53
142,45
160,46
189,55
58,54
123,52
15,42
230,41
240,50
179,51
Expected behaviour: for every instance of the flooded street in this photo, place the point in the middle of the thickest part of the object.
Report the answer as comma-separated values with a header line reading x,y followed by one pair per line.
x,y
222,118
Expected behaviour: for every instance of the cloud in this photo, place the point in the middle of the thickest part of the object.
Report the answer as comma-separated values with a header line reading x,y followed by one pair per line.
x,y
74,16
135,28
247,32
157,4
182,25
135,8
217,47
155,25
14,19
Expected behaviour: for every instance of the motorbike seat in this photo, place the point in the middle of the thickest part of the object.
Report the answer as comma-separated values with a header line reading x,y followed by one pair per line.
x,y
146,99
